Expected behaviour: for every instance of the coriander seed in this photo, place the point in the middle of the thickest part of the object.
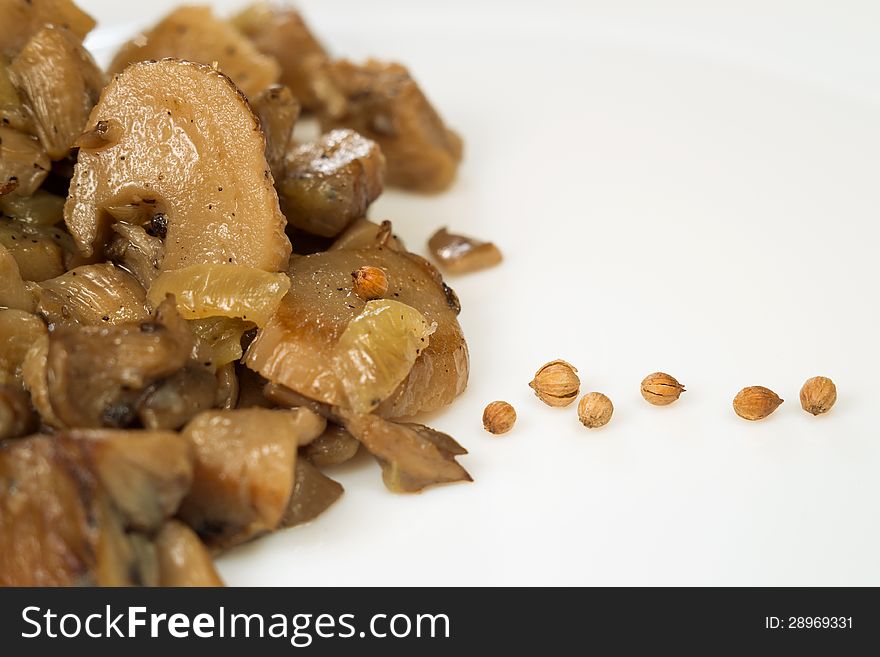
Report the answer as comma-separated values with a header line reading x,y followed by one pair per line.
x,y
595,410
370,283
660,389
755,402
499,417
818,395
556,383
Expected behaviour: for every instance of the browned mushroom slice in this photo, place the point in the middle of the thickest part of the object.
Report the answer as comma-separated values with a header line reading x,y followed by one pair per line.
x,y
60,82
333,447
329,183
363,233
297,348
251,386
174,401
13,112
23,18
145,473
39,250
18,332
97,375
459,254
278,111
280,32
183,558
92,295
188,141
24,164
40,209
244,472
382,102
313,493
14,292
195,34
59,520
17,416
137,251
412,456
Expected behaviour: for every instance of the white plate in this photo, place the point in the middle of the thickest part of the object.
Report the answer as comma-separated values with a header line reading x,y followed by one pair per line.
x,y
691,189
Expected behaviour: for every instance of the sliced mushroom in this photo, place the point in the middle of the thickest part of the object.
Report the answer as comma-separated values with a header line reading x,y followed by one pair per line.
x,y
174,401
40,209
13,112
363,233
24,163
278,111
60,82
195,34
297,347
92,295
23,18
70,506
244,473
39,250
382,102
98,375
333,447
329,183
281,33
14,292
227,387
134,249
459,254
189,142
19,330
313,493
183,558
17,416
412,456
145,473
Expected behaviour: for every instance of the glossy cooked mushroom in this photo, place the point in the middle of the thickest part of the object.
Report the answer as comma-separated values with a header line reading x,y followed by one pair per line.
x,y
244,472
297,348
23,18
79,508
24,163
280,32
60,82
193,33
278,110
382,102
189,142
331,182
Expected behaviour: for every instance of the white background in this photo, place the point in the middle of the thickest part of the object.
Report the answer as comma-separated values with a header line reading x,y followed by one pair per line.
x,y
692,188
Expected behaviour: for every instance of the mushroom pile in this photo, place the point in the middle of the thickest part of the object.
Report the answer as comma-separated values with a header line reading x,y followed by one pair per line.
x,y
184,347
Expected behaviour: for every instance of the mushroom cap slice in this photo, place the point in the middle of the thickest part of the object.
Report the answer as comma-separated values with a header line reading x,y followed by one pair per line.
x,y
23,18
188,141
297,347
60,82
194,33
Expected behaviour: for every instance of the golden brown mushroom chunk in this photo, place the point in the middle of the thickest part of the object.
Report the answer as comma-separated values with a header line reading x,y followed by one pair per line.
x,y
297,347
278,111
459,254
97,376
331,182
244,472
24,163
183,558
189,143
17,416
64,523
382,102
60,82
195,34
313,493
281,33
92,295
23,18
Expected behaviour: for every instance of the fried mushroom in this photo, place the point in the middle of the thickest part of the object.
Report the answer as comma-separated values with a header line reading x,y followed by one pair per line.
x,y
188,141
